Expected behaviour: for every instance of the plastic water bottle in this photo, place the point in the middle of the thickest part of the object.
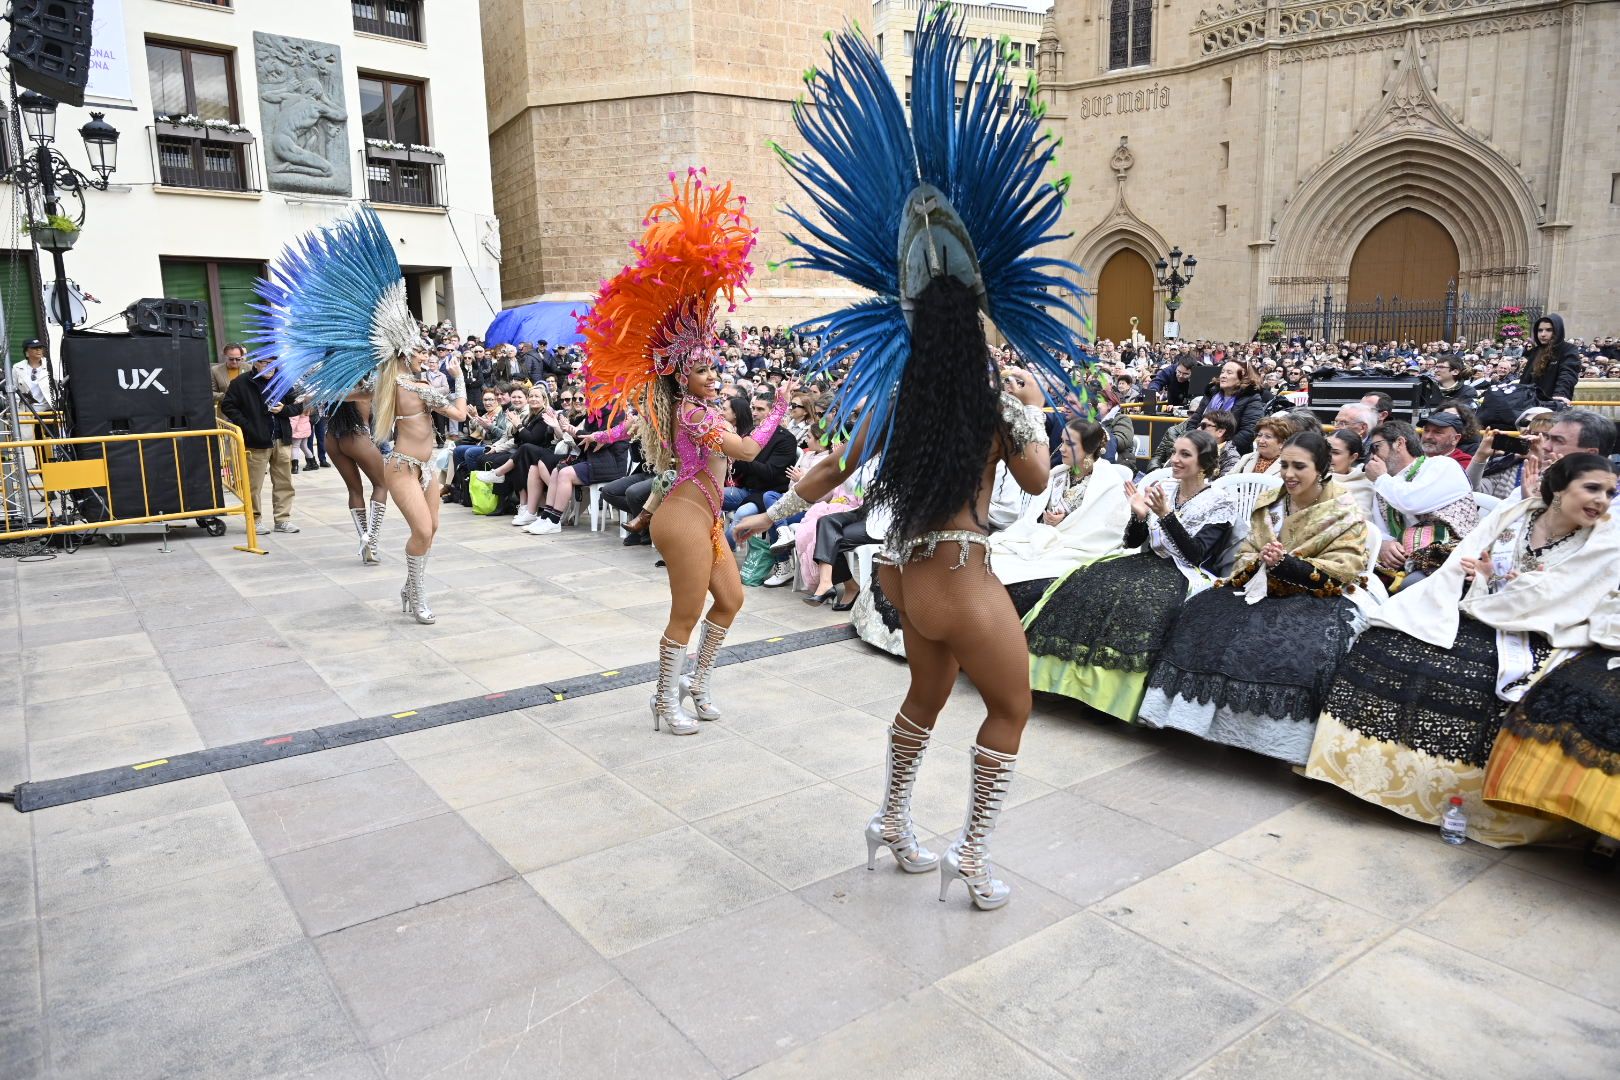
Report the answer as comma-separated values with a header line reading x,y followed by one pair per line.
x,y
1454,824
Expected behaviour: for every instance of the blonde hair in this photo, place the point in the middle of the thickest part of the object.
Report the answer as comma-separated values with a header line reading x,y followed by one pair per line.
x,y
385,398
657,408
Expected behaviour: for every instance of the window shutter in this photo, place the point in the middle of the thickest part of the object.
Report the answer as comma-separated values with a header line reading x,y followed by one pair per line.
x,y
17,295
236,297
189,281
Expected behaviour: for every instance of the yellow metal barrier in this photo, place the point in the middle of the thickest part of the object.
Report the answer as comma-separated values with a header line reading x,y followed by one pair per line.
x,y
227,457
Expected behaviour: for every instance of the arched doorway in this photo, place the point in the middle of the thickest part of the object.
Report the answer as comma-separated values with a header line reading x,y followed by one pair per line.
x,y
1399,277
1124,288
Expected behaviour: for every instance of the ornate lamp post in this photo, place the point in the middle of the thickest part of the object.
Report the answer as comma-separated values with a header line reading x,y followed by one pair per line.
x,y
1171,277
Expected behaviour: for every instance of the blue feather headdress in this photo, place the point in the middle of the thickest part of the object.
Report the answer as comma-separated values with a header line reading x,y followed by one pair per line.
x,y
334,310
958,191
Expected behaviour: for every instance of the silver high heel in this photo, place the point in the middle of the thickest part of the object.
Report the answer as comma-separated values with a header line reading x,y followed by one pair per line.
x,y
373,530
358,513
666,704
891,826
969,857
696,685
413,597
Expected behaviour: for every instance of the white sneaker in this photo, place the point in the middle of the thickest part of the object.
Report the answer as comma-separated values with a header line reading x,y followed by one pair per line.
x,y
523,517
487,477
543,527
781,574
286,527
786,537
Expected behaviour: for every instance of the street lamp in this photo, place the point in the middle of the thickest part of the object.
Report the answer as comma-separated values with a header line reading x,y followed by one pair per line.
x,y
1171,277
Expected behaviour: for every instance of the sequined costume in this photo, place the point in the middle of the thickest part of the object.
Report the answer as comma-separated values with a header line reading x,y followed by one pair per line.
x,y
701,460
432,398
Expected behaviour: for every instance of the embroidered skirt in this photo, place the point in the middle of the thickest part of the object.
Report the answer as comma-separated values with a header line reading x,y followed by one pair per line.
x,y
1559,751
1252,676
1407,725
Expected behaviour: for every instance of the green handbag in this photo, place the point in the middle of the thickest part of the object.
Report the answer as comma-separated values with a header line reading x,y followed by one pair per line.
x,y
484,499
757,566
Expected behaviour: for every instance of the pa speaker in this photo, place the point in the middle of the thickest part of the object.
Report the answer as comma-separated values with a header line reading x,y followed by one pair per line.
x,y
49,48
1414,397
119,384
167,318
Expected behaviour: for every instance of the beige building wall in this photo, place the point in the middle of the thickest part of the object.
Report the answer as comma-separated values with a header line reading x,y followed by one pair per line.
x,y
1269,138
591,106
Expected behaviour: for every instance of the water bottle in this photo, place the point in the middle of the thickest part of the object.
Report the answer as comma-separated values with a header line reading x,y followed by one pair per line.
x,y
1454,823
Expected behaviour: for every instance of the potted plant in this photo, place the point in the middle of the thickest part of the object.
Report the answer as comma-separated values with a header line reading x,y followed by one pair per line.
x,y
1512,326
53,232
1270,330
388,150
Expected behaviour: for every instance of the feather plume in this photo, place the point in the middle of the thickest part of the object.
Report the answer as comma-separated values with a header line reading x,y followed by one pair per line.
x,y
986,154
657,314
333,310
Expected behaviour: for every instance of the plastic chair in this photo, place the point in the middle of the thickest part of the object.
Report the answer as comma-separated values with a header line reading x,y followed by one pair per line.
x,y
1246,489
1486,503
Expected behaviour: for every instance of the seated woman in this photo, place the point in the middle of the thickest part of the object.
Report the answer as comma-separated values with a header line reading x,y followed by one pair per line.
x,y
1347,450
1498,474
604,458
1222,425
1082,518
1269,436
1415,708
1096,632
1250,660
533,440
1559,751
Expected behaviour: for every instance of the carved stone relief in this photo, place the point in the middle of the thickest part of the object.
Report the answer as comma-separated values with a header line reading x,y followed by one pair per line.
x,y
301,106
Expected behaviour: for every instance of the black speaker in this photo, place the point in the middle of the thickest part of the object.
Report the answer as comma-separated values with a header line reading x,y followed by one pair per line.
x,y
1414,397
120,384
49,48
161,316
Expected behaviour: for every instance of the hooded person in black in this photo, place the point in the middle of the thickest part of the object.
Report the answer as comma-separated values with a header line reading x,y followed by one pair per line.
x,y
1553,365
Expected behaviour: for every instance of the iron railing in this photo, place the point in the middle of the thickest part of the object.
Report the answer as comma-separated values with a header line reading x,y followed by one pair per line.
x,y
402,181
1457,316
185,161
391,18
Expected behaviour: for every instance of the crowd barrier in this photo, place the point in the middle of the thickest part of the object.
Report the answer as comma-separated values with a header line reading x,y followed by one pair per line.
x,y
226,455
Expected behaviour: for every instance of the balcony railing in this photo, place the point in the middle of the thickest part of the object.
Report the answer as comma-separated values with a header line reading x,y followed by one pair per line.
x,y
391,18
404,177
208,159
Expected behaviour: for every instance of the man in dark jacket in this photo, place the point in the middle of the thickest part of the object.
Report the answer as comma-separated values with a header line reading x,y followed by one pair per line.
x,y
1553,365
1170,386
267,434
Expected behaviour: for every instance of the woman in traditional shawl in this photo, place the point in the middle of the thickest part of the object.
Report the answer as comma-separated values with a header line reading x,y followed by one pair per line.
x,y
1415,709
1249,661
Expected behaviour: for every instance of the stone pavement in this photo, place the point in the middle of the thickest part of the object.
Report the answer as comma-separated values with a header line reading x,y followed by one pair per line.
x,y
561,892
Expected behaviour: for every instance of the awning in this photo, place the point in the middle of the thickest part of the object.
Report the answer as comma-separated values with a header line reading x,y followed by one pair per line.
x,y
550,321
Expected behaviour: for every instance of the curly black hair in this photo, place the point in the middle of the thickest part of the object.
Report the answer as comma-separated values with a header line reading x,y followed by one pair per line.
x,y
946,416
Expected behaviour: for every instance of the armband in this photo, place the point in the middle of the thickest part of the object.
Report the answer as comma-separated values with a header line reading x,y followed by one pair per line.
x,y
1026,424
788,505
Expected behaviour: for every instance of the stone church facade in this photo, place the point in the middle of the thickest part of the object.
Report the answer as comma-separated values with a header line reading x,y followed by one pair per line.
x,y
1412,159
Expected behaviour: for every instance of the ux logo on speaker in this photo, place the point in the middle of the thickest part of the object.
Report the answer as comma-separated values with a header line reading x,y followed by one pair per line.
x,y
141,379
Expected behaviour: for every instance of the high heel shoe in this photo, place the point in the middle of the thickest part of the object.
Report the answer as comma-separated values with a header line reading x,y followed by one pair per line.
x,y
891,826
969,857
820,598
639,523
358,513
368,542
666,705
843,606
413,598
696,685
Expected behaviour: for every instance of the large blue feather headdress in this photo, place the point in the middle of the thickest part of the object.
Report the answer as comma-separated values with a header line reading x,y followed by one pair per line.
x,y
959,193
334,310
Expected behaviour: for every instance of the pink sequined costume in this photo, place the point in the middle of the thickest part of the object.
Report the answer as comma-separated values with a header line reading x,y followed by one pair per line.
x,y
700,459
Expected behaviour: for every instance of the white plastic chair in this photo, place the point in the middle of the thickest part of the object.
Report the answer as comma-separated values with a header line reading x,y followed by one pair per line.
x,y
1246,489
1486,503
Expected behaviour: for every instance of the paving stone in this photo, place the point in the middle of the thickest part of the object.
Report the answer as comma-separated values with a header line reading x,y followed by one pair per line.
x,y
98,712
1409,991
610,1033
188,636
390,870
121,950
260,652
532,668
620,740
127,807
345,667
1367,856
215,692
843,742
921,1037
1537,926
307,768
713,778
1064,989
1288,1047
528,761
19,971
130,744
193,612
22,1048
406,972
747,986
553,825
384,696
1255,928
288,819
826,825
102,650
238,721
63,631
624,897
273,1013
466,735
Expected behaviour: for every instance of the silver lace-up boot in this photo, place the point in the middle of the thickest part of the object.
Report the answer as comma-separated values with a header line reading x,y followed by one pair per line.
x,y
969,857
666,702
891,826
696,685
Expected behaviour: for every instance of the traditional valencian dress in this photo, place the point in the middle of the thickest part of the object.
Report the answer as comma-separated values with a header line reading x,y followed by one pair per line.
x,y
1095,634
1559,752
1250,661
1414,712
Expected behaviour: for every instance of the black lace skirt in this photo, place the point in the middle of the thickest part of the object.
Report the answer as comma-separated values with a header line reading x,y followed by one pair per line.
x,y
1273,659
885,610
1115,614
1576,707
345,421
1026,594
1397,689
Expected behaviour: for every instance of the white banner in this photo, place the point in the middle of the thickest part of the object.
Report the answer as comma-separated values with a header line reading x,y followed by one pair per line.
x,y
109,57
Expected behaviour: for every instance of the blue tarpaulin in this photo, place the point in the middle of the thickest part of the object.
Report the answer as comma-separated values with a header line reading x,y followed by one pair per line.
x,y
550,321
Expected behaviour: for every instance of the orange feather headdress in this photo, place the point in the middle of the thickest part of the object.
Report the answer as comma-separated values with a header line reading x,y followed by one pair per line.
x,y
657,315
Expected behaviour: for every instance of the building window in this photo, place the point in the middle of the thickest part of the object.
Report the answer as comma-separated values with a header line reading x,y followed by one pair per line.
x,y
226,288
1614,189
908,91
1130,33
391,18
1220,219
1226,155
1226,84
1029,56
909,42
399,168
880,46
187,81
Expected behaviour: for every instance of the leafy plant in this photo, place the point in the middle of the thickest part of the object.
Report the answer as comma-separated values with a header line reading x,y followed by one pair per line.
x,y
1271,330
51,221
